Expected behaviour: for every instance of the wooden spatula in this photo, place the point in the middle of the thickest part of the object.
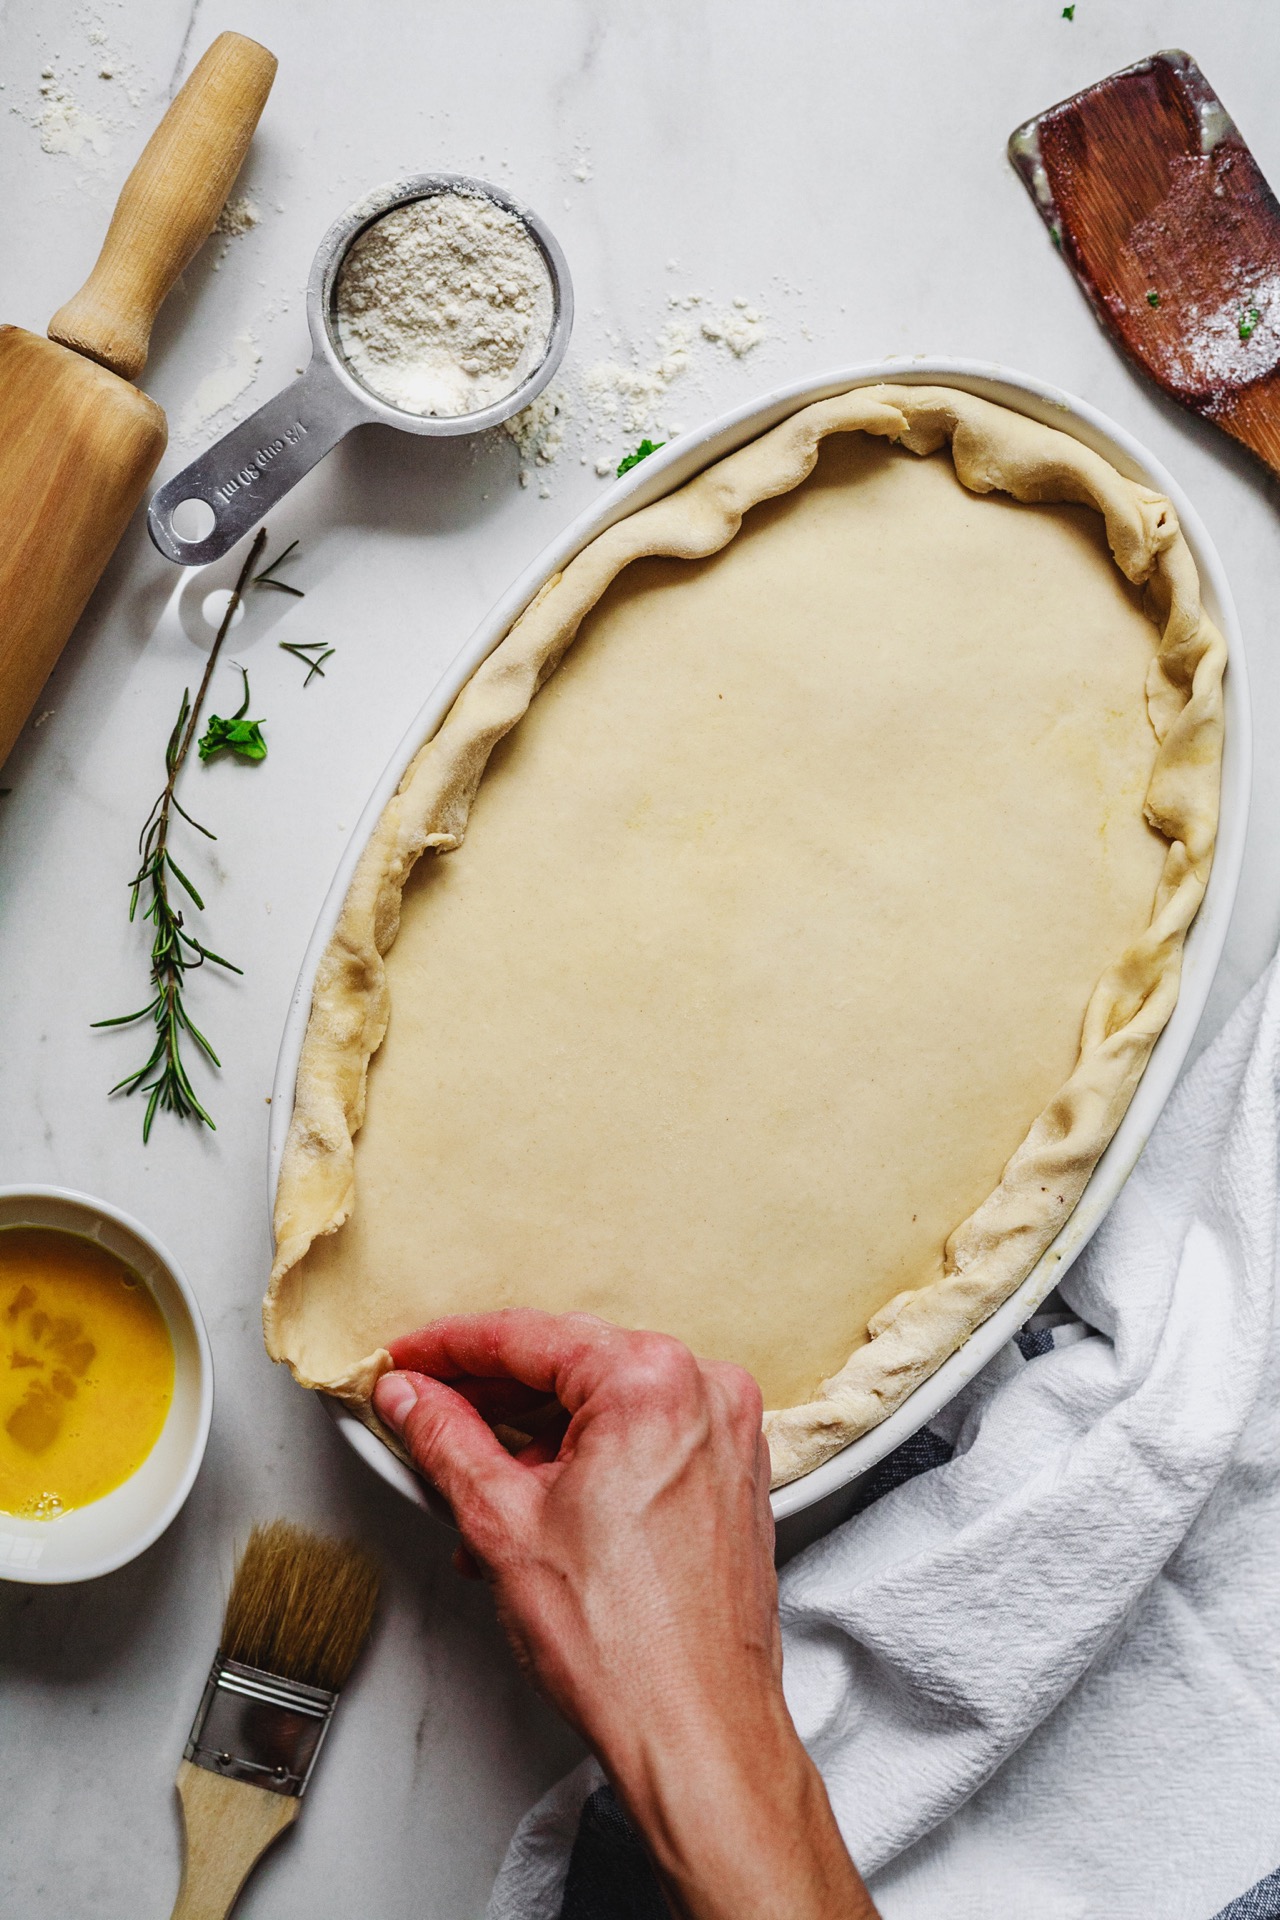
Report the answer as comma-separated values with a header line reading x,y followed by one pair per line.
x,y
78,442
1164,217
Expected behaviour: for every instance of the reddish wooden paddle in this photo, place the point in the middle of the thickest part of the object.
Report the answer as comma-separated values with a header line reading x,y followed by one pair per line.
x,y
1163,215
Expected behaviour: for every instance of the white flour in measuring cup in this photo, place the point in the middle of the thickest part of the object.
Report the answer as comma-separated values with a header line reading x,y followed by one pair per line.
x,y
444,305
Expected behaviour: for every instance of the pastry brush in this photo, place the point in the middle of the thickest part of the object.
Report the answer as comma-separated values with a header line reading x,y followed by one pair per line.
x,y
1164,217
298,1614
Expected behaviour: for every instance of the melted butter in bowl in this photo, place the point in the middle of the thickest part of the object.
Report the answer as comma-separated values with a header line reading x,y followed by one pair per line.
x,y
86,1371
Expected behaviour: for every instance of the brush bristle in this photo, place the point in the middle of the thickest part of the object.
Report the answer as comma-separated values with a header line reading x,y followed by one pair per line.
x,y
300,1606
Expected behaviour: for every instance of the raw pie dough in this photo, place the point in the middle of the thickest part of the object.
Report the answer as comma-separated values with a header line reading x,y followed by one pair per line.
x,y
751,1007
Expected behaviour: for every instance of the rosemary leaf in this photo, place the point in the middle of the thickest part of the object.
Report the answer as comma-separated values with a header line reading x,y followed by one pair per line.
x,y
179,808
182,879
312,653
267,577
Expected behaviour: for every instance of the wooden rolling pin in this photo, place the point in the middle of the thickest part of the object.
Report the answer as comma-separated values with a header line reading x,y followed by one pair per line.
x,y
78,442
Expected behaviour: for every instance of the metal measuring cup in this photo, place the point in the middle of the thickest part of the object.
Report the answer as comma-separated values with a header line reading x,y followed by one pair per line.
x,y
244,475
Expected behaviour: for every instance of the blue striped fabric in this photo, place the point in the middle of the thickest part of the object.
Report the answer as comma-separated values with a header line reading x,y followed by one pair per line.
x,y
1261,1902
610,1877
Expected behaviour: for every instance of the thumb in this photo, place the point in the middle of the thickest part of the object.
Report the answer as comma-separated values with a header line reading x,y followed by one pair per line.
x,y
458,1453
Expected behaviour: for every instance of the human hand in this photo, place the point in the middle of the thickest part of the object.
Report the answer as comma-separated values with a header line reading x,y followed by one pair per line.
x,y
630,1552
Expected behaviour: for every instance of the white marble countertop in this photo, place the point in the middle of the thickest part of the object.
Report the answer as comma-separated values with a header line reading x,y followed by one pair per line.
x,y
838,166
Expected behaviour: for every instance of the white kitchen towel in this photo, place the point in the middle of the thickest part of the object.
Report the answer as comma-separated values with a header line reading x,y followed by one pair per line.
x,y
928,1637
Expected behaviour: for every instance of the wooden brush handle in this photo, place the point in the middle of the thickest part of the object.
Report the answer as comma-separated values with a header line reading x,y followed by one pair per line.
x,y
229,1827
168,205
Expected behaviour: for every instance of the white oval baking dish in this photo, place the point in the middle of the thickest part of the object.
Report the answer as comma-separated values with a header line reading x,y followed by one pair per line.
x,y
659,474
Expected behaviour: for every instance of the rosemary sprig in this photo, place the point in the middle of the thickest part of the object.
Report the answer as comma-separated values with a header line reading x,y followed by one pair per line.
x,y
174,951
312,653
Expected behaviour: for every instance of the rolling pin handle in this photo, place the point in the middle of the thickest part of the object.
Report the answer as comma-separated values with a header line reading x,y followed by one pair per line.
x,y
168,205
246,473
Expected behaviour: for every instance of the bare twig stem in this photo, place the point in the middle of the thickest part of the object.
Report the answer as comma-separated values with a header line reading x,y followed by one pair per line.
x,y
237,595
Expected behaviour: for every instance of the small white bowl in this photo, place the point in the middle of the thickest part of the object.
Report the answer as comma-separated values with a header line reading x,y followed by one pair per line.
x,y
96,1539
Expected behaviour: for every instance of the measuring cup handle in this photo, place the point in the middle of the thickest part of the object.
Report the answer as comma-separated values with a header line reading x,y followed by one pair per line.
x,y
244,475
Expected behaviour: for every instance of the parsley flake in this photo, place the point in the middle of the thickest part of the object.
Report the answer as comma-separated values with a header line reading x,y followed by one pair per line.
x,y
1247,325
642,452
1153,299
1068,13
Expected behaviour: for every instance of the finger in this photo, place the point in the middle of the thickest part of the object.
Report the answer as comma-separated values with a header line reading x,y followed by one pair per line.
x,y
465,1563
764,1479
451,1444
544,1350
508,1401
737,1396
544,1447
738,1403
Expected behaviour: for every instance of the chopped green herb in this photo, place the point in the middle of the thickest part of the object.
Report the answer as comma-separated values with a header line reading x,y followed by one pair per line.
x,y
312,653
642,452
1248,323
1153,299
1068,13
236,735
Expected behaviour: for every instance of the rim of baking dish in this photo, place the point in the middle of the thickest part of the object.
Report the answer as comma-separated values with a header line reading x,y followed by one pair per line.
x,y
660,474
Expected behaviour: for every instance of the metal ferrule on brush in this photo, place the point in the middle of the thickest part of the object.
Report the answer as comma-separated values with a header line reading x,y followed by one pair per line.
x,y
259,1728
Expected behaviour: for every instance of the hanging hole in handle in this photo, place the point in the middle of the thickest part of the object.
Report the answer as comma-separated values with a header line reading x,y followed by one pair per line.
x,y
215,604
192,521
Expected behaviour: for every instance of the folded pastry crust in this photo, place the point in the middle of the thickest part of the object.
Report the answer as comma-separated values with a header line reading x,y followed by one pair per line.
x,y
324,1293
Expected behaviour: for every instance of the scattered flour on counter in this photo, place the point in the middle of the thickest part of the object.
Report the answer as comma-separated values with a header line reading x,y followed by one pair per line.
x,y
740,329
220,389
539,432
63,124
602,409
627,397
237,217
86,98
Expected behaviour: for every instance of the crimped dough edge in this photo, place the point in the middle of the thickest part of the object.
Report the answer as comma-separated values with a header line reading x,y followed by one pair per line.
x,y
991,1252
